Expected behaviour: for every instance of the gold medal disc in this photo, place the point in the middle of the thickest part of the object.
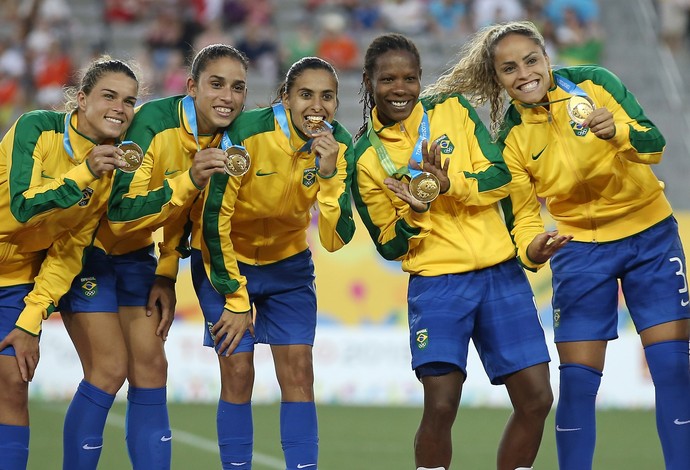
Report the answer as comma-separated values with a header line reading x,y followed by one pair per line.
x,y
579,107
237,162
425,187
312,128
132,157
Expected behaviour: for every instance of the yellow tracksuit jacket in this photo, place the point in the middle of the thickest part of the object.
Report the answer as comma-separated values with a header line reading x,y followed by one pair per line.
x,y
463,229
596,190
51,205
262,217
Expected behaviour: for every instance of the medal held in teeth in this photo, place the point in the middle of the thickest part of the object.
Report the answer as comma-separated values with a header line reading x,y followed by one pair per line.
x,y
425,187
237,162
133,156
315,126
579,107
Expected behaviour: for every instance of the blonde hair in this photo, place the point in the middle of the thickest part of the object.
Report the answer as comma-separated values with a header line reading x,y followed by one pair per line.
x,y
474,75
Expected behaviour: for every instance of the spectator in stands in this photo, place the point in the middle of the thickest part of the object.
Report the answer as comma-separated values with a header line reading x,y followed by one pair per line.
x,y
336,45
404,16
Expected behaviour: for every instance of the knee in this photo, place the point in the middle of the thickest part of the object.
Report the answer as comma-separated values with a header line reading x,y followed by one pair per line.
x,y
110,375
538,406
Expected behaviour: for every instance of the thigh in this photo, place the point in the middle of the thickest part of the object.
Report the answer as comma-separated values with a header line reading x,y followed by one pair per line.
x,y
14,394
655,283
94,289
508,334
98,339
585,292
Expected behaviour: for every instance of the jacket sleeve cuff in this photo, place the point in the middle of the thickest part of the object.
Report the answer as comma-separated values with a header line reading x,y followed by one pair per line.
x,y
31,318
81,174
168,266
238,301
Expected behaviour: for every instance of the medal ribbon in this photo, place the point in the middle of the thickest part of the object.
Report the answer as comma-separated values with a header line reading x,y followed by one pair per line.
x,y
385,158
65,139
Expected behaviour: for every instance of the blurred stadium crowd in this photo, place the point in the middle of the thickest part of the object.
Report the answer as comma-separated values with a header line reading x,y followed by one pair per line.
x,y
38,53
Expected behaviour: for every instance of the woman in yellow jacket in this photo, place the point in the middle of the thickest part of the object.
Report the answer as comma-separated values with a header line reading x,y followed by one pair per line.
x,y
122,304
465,282
577,138
255,256
55,178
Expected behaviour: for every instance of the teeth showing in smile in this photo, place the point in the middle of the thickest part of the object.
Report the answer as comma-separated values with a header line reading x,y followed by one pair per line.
x,y
399,104
223,110
529,86
113,120
315,118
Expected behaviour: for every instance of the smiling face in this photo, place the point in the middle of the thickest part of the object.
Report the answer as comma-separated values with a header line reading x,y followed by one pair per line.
x,y
219,93
312,97
522,68
395,85
107,111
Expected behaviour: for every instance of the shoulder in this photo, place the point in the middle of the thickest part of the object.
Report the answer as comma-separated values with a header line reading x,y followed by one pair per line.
x,y
251,123
593,73
153,118
42,120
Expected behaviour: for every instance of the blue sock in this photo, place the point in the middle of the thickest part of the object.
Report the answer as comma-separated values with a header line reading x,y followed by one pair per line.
x,y
82,435
14,446
147,429
299,435
235,435
669,366
576,431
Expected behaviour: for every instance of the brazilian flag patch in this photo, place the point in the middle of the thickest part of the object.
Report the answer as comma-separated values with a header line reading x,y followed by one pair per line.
x,y
309,177
445,144
89,286
577,130
422,338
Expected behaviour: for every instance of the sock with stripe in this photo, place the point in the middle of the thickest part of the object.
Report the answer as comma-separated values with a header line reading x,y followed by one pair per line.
x,y
299,435
147,429
575,416
235,435
669,366
82,437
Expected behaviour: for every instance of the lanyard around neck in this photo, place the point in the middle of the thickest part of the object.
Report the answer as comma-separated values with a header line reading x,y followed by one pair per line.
x,y
384,156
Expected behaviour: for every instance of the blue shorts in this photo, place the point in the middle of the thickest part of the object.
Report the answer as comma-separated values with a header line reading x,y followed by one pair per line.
x,y
11,305
494,307
283,294
651,268
108,282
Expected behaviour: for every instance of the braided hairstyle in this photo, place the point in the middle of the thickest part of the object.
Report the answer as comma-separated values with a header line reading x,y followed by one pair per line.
x,y
378,47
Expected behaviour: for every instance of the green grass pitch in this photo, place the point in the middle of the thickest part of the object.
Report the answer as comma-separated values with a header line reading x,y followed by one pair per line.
x,y
351,438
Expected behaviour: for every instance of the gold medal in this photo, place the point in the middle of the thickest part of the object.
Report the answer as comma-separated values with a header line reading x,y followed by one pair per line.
x,y
579,107
312,128
237,162
132,157
425,187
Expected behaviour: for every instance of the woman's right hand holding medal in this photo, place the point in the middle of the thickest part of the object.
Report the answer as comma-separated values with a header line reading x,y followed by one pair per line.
x,y
401,188
104,159
431,163
207,162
